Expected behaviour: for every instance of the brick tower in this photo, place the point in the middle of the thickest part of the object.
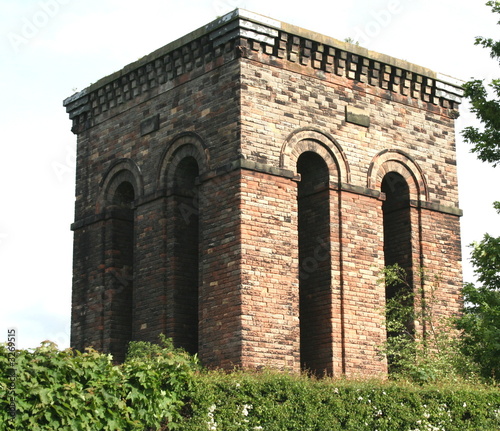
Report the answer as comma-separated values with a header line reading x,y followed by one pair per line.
x,y
240,189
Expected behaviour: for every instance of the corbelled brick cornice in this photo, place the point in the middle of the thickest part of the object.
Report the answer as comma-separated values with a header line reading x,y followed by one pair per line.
x,y
249,35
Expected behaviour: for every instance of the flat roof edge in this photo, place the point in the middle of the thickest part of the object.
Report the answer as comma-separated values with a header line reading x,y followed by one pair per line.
x,y
449,84
350,47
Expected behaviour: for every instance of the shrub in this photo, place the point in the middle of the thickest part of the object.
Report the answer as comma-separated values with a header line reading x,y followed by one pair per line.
x,y
160,388
425,355
273,401
68,390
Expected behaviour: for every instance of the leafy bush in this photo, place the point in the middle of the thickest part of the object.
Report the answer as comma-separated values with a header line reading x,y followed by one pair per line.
x,y
162,388
424,355
68,390
272,401
480,319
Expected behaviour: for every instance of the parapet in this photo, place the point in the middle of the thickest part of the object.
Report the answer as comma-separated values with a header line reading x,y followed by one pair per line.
x,y
246,34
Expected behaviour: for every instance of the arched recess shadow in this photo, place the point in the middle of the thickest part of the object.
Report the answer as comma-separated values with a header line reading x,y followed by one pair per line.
x,y
184,159
323,144
397,161
122,170
187,144
121,186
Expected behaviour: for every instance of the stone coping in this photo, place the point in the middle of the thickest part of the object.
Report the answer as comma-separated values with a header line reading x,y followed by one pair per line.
x,y
241,23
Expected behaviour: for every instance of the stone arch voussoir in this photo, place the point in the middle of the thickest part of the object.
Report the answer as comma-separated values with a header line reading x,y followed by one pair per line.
x,y
323,144
397,161
182,146
121,170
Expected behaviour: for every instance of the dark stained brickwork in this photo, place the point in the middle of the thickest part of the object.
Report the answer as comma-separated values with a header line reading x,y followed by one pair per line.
x,y
232,191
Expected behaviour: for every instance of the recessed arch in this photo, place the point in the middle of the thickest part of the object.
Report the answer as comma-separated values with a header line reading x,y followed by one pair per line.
x,y
313,214
120,172
124,195
401,163
323,144
397,228
187,144
184,250
120,187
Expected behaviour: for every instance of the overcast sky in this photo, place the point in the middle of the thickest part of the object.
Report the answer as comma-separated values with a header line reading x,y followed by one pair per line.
x,y
52,48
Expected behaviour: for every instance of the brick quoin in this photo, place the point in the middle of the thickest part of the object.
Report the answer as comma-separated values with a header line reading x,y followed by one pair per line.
x,y
240,189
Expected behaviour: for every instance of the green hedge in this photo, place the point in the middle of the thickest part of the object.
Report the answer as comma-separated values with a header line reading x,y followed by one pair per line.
x,y
162,388
279,402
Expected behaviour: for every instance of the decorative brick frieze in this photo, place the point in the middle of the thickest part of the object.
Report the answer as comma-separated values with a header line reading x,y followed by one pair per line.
x,y
243,33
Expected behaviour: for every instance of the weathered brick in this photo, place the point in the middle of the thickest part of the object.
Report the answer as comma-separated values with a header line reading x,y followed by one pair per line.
x,y
225,199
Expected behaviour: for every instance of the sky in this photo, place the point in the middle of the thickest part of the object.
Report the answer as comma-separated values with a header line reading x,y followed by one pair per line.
x,y
52,48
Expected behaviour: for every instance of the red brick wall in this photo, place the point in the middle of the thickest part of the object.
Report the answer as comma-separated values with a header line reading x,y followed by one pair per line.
x,y
269,271
150,271
221,303
239,258
363,297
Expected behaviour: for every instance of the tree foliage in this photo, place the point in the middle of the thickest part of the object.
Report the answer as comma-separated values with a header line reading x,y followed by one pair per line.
x,y
486,142
480,321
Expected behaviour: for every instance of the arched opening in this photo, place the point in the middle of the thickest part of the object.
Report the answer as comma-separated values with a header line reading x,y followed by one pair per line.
x,y
398,250
124,195
186,256
314,264
121,269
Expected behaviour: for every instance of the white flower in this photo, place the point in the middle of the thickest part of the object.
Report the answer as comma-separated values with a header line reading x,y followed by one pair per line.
x,y
212,425
360,398
246,407
465,405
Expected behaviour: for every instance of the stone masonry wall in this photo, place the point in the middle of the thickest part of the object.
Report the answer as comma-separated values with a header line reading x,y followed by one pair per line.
x,y
240,253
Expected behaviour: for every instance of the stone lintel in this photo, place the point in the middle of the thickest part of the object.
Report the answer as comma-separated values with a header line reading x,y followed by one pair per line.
x,y
250,166
118,214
